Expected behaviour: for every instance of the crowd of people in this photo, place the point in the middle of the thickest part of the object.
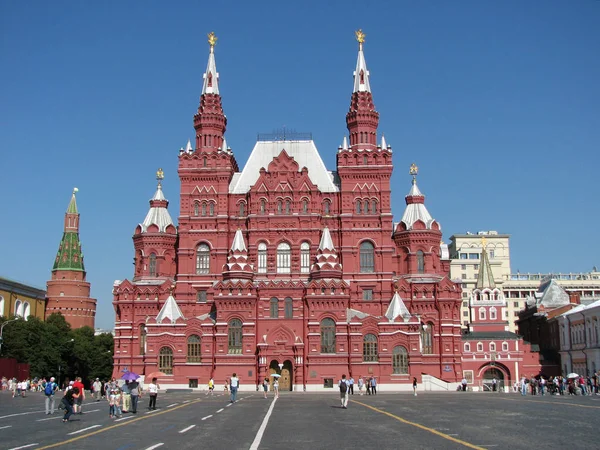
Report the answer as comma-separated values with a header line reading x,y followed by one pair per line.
x,y
559,385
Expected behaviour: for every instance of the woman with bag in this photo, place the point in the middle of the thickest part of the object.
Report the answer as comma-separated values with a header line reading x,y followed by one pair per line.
x,y
67,402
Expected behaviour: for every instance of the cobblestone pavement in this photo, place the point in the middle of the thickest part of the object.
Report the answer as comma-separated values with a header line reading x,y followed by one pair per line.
x,y
311,421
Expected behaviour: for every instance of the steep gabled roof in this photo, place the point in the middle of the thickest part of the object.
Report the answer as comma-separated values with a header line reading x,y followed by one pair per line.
x,y
170,310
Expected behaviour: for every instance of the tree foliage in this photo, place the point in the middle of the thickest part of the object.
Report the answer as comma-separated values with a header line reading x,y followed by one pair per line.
x,y
52,348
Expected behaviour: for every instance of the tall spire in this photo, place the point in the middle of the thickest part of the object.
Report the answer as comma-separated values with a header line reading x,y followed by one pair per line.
x,y
211,76
210,121
361,74
485,278
69,255
362,119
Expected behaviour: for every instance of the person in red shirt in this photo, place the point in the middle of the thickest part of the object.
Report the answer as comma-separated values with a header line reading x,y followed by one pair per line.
x,y
79,400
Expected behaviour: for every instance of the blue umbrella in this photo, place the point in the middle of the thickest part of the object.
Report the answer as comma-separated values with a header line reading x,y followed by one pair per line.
x,y
130,376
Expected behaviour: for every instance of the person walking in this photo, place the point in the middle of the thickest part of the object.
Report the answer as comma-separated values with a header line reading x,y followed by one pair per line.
x,y
67,402
81,397
49,391
344,385
276,387
415,386
351,386
153,391
361,384
97,388
373,385
211,387
265,384
126,397
134,391
368,384
234,383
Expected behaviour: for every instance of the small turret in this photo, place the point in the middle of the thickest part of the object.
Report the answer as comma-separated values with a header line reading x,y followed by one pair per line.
x,y
326,262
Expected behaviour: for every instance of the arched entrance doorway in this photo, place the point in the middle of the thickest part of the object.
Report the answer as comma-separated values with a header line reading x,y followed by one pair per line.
x,y
285,371
489,375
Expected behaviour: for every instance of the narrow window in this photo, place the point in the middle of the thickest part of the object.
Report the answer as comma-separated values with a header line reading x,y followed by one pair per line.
x,y
374,207
234,337
427,338
152,264
327,336
193,349
165,360
358,207
279,206
274,308
262,257
304,257
399,360
263,205
196,209
367,257
204,161
288,207
326,207
203,259
420,262
370,348
366,207
203,209
365,160
242,209
288,308
211,209
304,206
284,257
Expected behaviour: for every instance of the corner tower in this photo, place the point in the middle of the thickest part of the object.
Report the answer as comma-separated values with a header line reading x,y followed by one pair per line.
x,y
68,292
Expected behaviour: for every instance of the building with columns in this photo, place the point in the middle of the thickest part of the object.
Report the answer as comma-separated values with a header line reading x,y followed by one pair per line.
x,y
287,267
490,349
68,292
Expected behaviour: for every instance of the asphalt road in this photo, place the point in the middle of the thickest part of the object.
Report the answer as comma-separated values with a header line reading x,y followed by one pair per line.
x,y
449,420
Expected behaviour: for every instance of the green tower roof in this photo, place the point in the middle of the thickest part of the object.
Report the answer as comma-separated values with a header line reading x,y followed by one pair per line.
x,y
69,256
72,208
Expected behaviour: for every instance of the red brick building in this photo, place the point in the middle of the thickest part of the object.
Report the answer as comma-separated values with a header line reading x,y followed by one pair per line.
x,y
68,291
287,267
490,351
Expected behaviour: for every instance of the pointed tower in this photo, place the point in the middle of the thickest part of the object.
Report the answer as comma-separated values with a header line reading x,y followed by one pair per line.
x,y
326,264
154,240
68,292
237,266
487,302
418,235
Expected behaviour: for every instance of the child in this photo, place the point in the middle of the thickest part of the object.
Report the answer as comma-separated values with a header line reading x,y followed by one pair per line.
x,y
226,386
265,386
118,402
111,404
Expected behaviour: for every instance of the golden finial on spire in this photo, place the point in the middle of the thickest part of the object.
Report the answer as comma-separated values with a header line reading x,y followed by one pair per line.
x,y
483,242
212,39
360,36
160,175
414,170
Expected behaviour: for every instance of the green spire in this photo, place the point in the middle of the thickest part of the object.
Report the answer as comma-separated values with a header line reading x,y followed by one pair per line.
x,y
69,256
72,208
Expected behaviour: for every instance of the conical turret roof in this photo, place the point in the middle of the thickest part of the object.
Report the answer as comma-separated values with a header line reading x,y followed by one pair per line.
x,y
485,278
170,310
158,214
70,256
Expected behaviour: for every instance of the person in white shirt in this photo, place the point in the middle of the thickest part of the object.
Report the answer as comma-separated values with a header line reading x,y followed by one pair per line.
x,y
153,393
234,383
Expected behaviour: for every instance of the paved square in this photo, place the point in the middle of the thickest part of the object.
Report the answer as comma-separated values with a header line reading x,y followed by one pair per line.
x,y
312,421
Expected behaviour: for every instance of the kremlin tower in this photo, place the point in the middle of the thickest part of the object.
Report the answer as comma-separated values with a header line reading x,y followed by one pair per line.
x,y
68,292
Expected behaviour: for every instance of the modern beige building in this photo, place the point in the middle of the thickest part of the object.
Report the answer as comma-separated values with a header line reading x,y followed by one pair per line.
x,y
465,252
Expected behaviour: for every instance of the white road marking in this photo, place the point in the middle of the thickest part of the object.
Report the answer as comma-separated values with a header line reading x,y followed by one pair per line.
x,y
153,411
187,429
7,426
220,410
24,446
228,405
207,417
93,410
155,446
172,405
262,428
84,429
187,401
60,416
124,418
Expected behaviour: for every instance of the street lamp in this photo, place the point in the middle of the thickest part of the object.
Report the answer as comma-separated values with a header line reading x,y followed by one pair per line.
x,y
2,329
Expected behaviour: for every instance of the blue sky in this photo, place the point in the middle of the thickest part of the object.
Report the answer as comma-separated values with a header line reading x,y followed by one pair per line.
x,y
496,101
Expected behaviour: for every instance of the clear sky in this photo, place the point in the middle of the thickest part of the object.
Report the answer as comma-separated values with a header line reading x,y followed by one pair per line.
x,y
497,102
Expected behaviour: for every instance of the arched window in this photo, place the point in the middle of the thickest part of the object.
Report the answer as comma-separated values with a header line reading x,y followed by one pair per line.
x,y
204,162
399,360
142,339
427,338
420,262
505,346
2,306
262,257
467,347
152,264
370,348
288,308
327,336
211,209
284,257
374,207
492,347
279,207
203,259
479,346
19,308
263,206
274,309
365,159
366,207
242,209
367,257
288,207
196,209
304,206
326,207
481,313
492,313
234,337
193,349
165,360
203,209
358,207
26,310
304,257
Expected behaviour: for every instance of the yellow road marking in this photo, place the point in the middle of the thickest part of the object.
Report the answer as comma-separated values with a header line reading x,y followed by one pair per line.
x,y
422,427
552,403
125,423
